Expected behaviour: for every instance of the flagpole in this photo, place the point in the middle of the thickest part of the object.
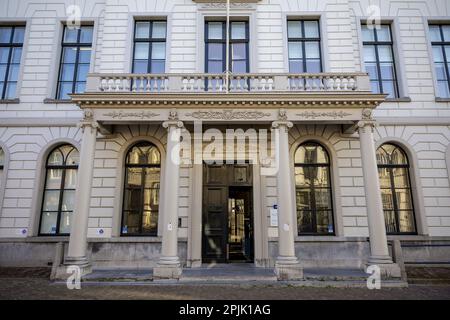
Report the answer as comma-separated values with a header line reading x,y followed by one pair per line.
x,y
227,51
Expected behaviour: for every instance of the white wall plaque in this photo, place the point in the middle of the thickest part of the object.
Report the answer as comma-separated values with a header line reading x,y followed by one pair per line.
x,y
273,217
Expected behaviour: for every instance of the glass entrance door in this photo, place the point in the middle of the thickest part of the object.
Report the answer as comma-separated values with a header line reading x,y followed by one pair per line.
x,y
240,229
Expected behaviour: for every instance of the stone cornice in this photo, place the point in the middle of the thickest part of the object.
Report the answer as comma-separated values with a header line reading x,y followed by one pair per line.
x,y
235,100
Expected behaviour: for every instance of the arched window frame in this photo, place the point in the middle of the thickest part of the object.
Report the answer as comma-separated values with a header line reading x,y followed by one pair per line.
x,y
390,167
126,166
331,208
63,167
3,169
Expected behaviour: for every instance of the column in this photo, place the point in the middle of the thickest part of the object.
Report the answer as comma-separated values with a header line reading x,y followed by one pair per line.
x,y
287,266
78,234
379,253
169,266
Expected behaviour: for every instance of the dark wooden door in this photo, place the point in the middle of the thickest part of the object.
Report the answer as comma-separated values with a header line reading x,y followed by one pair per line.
x,y
215,215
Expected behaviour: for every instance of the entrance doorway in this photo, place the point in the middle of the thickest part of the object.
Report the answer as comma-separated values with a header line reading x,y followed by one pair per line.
x,y
227,213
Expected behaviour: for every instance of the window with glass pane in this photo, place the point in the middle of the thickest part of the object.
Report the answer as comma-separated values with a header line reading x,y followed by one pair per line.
x,y
149,47
59,191
393,171
304,46
440,41
379,59
313,190
215,41
141,191
11,43
76,49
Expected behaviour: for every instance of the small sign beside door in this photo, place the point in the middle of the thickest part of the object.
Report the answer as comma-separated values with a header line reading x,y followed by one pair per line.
x,y
274,216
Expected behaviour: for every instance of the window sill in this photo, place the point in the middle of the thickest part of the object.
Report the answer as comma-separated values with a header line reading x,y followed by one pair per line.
x,y
9,101
442,99
59,101
403,99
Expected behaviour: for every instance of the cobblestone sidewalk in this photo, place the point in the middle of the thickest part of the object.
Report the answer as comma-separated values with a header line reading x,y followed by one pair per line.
x,y
39,288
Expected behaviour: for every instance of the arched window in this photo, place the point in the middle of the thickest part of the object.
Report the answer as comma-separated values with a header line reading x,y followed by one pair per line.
x,y
393,172
59,190
141,191
2,159
313,190
2,165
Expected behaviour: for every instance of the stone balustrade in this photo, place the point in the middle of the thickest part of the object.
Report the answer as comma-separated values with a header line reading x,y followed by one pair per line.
x,y
241,83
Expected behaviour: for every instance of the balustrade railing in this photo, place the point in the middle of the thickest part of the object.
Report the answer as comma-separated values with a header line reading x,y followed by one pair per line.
x,y
237,83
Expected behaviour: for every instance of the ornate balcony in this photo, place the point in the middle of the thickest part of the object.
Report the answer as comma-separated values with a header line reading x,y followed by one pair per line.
x,y
343,98
238,83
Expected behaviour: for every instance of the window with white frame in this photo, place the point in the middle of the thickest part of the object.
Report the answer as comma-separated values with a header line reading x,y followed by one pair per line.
x,y
440,41
379,59
11,43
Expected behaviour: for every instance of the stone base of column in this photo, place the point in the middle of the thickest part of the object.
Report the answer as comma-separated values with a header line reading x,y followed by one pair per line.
x,y
388,269
167,268
288,268
68,269
194,263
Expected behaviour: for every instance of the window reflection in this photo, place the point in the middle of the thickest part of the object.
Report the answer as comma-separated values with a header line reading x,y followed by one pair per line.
x,y
393,172
313,190
141,195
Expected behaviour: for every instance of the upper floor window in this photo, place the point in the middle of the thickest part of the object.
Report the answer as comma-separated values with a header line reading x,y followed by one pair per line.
x,y
76,48
141,190
440,41
313,190
304,46
215,40
393,171
59,190
379,59
11,42
149,55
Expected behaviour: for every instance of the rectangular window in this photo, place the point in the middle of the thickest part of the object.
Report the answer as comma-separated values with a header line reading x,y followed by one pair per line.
x,y
379,59
76,49
11,43
149,55
304,46
216,48
440,41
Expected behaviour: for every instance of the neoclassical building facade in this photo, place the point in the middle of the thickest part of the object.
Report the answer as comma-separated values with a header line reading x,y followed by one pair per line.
x,y
161,135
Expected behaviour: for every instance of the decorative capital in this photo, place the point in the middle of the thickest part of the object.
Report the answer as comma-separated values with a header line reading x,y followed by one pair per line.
x,y
279,124
83,124
365,125
173,123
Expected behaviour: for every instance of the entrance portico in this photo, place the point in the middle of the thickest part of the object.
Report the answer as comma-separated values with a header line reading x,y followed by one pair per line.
x,y
346,105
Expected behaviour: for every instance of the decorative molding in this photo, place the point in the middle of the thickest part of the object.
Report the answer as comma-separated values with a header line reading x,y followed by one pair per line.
x,y
282,115
173,115
128,114
241,4
366,114
228,115
323,114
